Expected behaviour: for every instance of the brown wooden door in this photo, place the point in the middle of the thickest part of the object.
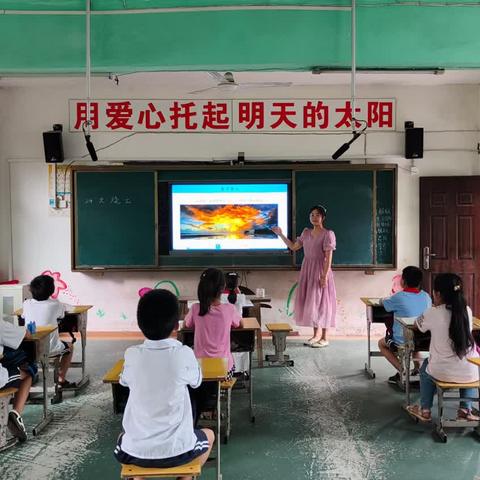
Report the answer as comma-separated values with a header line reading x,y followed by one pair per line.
x,y
449,227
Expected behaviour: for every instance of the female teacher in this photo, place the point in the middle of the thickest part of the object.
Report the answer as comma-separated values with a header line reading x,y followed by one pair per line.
x,y
315,300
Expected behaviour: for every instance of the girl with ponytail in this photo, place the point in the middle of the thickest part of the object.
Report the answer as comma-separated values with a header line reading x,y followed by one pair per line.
x,y
233,295
450,323
211,319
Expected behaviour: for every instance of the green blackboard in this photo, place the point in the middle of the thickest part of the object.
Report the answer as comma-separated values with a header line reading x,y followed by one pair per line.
x,y
360,200
348,198
114,219
385,218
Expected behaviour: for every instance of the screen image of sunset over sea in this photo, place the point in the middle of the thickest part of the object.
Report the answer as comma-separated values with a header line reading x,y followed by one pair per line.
x,y
223,221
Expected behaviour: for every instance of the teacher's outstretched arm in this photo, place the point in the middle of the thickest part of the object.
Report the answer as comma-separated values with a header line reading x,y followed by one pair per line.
x,y
291,245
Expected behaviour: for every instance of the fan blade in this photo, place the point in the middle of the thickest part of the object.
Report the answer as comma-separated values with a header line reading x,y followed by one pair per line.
x,y
266,84
195,92
221,86
217,76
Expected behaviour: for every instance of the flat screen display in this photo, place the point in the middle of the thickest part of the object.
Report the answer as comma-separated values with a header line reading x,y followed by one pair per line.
x,y
228,216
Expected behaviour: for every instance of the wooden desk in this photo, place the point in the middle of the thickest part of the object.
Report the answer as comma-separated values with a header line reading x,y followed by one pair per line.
x,y
475,361
213,370
41,341
75,320
242,339
417,341
375,314
255,311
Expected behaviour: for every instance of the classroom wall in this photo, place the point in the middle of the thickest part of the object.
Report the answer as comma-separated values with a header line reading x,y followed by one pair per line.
x,y
4,192
41,241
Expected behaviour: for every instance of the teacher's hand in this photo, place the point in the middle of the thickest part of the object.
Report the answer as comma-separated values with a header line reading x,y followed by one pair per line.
x,y
323,281
276,230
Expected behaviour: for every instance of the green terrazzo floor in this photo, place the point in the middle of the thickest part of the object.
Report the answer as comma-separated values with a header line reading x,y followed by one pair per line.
x,y
321,419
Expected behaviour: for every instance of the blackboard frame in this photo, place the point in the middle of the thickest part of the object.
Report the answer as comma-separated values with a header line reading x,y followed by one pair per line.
x,y
272,166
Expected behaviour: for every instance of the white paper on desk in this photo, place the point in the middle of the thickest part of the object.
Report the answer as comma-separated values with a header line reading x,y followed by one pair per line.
x,y
408,321
190,303
374,301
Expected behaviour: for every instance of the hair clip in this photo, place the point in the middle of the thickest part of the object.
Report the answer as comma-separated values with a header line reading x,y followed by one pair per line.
x,y
456,288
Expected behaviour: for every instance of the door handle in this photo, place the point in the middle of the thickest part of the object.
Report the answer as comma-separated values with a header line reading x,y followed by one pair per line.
x,y
426,257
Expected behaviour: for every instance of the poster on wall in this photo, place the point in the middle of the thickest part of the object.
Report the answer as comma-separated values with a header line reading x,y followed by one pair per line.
x,y
59,195
302,116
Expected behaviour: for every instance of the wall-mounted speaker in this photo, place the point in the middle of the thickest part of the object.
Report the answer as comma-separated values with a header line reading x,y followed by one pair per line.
x,y
53,146
414,142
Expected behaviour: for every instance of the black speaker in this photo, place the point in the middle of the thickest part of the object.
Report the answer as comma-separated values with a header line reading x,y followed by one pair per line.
x,y
53,146
414,142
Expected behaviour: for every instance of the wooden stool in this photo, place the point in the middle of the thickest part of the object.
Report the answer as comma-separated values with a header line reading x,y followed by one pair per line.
x,y
442,422
5,398
279,333
226,388
190,469
119,392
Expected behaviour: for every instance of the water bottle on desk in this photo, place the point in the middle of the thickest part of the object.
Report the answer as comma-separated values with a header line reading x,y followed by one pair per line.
x,y
32,328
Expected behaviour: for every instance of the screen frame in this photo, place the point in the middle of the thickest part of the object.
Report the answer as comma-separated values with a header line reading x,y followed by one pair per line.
x,y
232,252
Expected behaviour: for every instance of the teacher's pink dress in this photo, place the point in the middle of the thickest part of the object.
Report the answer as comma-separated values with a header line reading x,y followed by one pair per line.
x,y
315,306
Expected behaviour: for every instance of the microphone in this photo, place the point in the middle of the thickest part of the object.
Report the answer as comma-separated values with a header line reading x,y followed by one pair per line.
x,y
91,148
345,146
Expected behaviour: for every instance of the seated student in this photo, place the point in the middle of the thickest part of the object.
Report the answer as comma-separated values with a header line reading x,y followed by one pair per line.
x,y
232,294
158,421
410,302
212,322
46,311
15,371
450,323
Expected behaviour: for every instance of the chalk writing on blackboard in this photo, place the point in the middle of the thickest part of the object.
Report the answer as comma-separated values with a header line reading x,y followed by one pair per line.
x,y
384,234
104,201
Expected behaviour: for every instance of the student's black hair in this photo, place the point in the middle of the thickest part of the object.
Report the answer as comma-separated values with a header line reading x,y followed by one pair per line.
x,y
210,287
449,287
321,209
157,314
412,276
42,287
231,284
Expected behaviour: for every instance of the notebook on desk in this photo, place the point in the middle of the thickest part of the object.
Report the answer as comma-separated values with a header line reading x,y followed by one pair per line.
x,y
407,321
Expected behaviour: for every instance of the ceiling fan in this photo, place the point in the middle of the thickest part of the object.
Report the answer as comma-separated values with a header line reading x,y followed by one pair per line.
x,y
226,81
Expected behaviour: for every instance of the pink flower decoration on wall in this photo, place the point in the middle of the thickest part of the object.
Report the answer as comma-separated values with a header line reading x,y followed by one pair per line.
x,y
59,283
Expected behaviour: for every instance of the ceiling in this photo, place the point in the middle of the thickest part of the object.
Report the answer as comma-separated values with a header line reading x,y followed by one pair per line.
x,y
48,36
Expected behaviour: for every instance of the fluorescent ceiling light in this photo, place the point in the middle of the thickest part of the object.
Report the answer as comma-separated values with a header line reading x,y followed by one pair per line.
x,y
432,71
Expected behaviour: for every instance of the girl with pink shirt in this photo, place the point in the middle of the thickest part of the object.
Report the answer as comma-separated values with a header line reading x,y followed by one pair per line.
x,y
212,322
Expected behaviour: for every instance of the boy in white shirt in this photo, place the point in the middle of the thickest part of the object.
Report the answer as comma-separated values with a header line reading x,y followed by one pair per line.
x,y
46,311
158,419
17,372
